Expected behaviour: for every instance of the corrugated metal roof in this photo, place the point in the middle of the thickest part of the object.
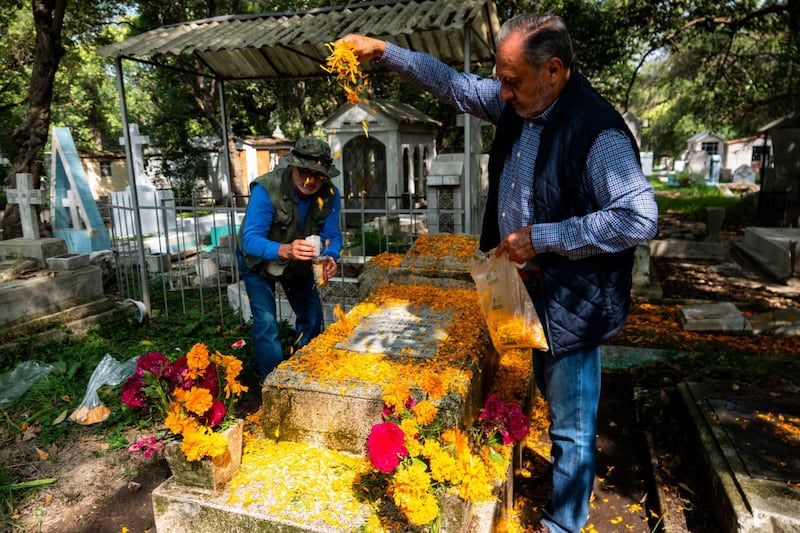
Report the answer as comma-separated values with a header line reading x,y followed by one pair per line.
x,y
292,45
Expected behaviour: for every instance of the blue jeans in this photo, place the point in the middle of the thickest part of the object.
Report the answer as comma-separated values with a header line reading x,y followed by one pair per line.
x,y
571,385
304,299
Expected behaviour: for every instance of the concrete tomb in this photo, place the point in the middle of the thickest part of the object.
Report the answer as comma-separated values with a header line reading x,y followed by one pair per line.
x,y
319,407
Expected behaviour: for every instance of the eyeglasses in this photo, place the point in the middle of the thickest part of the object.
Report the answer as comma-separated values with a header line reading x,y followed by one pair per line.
x,y
309,175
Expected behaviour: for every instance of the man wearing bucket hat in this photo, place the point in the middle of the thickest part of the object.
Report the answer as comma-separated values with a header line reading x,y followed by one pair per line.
x,y
294,201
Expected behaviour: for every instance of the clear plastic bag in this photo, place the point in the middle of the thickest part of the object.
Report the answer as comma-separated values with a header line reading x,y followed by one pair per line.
x,y
17,382
109,371
507,307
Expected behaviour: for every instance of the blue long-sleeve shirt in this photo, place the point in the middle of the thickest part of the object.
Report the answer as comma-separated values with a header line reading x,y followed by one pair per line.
x,y
260,212
628,214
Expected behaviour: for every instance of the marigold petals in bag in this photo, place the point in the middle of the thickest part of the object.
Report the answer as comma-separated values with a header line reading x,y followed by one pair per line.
x,y
507,307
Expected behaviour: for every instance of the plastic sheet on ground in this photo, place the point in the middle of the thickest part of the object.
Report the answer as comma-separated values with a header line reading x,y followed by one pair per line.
x,y
15,383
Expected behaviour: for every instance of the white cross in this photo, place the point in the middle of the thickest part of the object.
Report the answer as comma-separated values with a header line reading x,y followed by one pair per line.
x,y
137,142
25,196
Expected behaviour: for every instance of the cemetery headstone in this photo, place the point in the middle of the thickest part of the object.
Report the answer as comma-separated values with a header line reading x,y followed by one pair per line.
x,y
25,197
157,213
76,218
30,244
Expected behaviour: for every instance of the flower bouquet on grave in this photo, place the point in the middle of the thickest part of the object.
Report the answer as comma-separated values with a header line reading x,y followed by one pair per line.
x,y
417,462
194,398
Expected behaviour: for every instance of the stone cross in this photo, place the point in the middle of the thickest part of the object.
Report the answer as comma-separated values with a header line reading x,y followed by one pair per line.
x,y
25,196
137,154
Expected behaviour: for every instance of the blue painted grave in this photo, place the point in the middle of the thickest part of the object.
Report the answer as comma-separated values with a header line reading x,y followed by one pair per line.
x,y
76,217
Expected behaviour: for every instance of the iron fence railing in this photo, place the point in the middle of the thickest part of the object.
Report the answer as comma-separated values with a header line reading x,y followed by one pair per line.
x,y
189,250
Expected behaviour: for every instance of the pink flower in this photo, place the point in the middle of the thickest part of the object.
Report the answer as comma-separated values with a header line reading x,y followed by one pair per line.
x,y
385,445
150,444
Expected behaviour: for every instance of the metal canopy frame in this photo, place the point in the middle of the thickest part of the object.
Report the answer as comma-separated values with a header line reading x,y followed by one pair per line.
x,y
291,45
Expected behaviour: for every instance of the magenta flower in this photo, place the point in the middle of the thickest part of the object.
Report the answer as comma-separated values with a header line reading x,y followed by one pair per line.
x,y
133,394
385,445
156,363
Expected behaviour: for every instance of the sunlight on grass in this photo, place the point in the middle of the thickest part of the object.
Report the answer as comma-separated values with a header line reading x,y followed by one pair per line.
x,y
693,201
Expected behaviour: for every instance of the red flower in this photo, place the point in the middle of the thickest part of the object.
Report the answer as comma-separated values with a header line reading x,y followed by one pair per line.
x,y
177,374
517,423
213,417
133,394
385,445
210,380
156,363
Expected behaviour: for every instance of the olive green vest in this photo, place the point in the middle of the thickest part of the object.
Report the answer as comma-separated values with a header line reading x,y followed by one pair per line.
x,y
286,224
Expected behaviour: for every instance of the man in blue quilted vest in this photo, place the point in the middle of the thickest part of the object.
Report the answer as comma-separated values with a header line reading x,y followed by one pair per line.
x,y
567,200
288,204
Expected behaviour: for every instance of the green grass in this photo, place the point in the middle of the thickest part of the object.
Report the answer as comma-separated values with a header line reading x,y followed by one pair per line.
x,y
691,202
40,415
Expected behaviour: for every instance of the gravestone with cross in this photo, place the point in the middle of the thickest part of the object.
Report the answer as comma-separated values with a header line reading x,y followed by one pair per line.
x,y
26,197
30,244
157,213
76,217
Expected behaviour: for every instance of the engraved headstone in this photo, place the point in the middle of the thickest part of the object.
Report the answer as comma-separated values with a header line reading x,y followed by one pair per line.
x,y
401,330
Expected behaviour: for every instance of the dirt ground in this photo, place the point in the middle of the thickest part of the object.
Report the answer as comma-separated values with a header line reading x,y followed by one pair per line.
x,y
109,491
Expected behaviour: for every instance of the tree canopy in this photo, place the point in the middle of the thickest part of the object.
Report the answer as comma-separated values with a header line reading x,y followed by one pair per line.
x,y
684,66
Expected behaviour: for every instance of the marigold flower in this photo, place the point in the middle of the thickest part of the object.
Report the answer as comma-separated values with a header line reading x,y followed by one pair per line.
x,y
433,386
196,400
424,412
395,396
197,359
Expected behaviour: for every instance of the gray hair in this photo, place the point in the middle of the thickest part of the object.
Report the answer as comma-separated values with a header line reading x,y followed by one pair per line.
x,y
546,36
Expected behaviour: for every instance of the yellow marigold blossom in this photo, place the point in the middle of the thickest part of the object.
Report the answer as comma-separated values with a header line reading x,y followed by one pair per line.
x,y
203,442
176,421
424,412
433,386
197,360
456,438
410,482
424,511
496,462
345,64
196,400
395,396
442,462
233,367
475,485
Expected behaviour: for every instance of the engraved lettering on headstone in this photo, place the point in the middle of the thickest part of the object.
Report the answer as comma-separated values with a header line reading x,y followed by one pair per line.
x,y
401,330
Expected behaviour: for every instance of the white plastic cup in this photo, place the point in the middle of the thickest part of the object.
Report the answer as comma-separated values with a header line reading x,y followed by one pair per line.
x,y
315,240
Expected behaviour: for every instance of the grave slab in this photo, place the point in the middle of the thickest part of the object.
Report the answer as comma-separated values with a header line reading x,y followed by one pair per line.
x,y
32,298
323,395
748,441
683,249
39,249
717,317
254,502
774,249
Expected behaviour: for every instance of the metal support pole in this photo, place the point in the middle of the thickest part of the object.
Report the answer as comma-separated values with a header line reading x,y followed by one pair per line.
x,y
132,181
467,149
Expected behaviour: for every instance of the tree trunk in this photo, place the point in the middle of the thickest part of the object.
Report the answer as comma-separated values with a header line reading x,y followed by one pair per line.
x,y
30,137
